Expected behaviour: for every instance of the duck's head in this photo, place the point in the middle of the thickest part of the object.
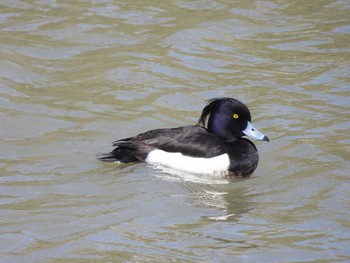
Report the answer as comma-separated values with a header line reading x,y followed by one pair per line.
x,y
229,119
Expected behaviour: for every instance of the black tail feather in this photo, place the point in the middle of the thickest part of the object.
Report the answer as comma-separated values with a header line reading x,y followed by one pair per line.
x,y
124,153
107,157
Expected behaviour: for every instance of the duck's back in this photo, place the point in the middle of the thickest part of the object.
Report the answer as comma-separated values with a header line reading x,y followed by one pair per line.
x,y
194,141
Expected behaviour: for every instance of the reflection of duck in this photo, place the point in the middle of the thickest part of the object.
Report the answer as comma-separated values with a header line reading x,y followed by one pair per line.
x,y
213,149
220,199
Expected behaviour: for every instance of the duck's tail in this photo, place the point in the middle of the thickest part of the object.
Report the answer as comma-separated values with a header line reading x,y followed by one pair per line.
x,y
125,152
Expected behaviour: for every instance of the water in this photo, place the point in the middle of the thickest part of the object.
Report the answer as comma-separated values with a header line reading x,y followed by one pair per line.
x,y
77,76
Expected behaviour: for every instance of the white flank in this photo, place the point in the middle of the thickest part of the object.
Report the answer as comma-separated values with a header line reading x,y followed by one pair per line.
x,y
209,166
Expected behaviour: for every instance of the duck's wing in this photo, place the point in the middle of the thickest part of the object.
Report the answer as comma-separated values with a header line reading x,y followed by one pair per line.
x,y
193,141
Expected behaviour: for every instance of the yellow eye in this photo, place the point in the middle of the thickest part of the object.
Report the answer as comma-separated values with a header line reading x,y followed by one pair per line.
x,y
235,116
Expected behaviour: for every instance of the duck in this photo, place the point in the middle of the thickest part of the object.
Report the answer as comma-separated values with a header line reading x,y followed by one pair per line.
x,y
214,146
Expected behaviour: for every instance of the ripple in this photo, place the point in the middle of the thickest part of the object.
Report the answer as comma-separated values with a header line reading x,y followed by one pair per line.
x,y
76,76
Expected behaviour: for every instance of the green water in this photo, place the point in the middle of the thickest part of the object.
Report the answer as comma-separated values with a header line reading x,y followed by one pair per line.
x,y
76,76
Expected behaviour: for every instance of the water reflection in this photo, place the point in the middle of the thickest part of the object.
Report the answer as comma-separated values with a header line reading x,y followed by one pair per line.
x,y
225,196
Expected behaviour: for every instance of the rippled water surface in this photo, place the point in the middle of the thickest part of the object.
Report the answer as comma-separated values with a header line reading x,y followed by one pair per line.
x,y
77,75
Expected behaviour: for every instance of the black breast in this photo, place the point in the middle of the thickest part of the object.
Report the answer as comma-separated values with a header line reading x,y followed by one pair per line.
x,y
244,158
